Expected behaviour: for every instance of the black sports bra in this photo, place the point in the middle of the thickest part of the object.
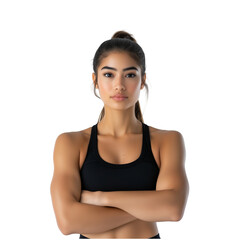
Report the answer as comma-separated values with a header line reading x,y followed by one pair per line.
x,y
99,175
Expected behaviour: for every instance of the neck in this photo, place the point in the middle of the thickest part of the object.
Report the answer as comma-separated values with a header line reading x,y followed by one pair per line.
x,y
118,123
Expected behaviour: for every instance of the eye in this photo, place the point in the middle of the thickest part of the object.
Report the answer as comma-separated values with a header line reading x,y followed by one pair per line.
x,y
107,75
130,75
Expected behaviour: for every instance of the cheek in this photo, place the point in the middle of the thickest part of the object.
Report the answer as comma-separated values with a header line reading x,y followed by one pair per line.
x,y
133,87
104,87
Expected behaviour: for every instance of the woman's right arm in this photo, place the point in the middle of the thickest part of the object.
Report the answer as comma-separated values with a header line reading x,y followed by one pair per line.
x,y
71,215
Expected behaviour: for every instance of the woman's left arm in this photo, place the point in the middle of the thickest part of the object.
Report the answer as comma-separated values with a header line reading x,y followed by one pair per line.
x,y
167,202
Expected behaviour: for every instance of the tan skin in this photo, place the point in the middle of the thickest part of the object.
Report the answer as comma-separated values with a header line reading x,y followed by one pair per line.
x,y
119,130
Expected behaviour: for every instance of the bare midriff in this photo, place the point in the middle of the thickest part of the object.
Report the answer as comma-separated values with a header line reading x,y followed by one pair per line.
x,y
134,229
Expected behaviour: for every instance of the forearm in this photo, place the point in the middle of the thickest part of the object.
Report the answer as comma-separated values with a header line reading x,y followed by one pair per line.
x,y
87,218
152,206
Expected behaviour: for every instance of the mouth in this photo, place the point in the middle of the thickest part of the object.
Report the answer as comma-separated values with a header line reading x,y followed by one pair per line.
x,y
119,98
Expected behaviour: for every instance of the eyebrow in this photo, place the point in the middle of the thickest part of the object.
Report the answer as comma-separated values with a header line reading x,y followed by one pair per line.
x,y
125,69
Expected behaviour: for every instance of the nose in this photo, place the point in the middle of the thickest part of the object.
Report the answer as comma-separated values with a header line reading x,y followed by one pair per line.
x,y
119,83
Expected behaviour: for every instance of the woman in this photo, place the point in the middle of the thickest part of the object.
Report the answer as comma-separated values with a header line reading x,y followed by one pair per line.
x,y
119,177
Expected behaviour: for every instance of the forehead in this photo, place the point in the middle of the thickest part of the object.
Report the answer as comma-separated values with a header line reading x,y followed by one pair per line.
x,y
118,59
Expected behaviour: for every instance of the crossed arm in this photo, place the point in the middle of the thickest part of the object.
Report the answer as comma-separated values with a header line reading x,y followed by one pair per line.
x,y
82,211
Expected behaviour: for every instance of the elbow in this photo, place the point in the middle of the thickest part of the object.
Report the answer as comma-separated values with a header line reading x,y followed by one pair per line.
x,y
177,214
65,223
176,217
177,210
66,220
64,226
64,231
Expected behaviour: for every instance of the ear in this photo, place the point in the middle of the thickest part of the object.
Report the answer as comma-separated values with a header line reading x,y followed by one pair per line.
x,y
143,81
94,78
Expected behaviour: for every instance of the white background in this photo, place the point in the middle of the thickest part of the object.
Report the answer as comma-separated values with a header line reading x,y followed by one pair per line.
x,y
193,59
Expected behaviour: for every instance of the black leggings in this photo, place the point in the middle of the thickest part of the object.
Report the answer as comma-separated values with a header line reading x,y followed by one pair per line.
x,y
156,236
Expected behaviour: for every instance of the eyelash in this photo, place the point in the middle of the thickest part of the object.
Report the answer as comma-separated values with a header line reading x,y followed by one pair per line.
x,y
133,75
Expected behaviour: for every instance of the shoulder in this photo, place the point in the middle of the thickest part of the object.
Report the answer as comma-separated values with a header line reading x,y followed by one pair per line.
x,y
168,139
165,135
68,147
73,139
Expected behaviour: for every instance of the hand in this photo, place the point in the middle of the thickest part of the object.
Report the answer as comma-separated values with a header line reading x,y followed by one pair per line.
x,y
94,198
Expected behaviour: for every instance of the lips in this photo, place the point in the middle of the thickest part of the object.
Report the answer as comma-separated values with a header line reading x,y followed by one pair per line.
x,y
119,96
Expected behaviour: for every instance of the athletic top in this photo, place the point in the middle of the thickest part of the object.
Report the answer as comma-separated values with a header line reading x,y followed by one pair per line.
x,y
99,175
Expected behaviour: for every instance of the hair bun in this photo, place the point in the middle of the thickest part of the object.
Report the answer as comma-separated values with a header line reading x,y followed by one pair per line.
x,y
123,34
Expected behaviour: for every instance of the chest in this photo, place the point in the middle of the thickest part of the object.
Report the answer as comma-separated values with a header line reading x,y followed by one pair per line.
x,y
119,150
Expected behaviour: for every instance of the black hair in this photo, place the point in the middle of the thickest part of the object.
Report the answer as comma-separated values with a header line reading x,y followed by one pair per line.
x,y
120,41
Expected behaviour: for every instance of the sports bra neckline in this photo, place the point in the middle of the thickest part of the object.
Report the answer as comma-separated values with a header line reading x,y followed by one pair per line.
x,y
115,165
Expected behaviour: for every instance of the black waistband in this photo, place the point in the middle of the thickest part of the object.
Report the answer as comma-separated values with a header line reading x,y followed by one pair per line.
x,y
156,236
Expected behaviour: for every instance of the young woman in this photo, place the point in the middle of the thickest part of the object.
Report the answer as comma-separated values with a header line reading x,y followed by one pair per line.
x,y
119,177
